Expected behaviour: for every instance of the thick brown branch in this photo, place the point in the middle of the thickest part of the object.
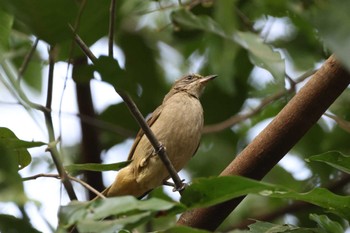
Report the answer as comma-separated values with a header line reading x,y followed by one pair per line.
x,y
288,127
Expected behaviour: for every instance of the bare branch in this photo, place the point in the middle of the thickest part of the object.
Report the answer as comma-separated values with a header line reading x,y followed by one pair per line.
x,y
57,176
82,45
52,148
27,59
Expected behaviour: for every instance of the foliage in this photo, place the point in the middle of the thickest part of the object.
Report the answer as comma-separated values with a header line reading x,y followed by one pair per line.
x,y
255,47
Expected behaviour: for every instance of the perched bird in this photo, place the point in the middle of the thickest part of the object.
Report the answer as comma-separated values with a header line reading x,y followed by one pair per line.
x,y
177,124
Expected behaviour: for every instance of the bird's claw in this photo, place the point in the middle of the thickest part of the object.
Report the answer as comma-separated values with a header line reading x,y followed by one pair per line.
x,y
159,149
175,189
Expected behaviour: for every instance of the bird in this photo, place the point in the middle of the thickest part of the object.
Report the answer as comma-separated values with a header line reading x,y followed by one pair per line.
x,y
177,124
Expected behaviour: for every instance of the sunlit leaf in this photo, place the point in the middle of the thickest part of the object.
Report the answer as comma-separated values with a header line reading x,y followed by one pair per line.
x,y
266,227
96,167
210,191
185,19
262,55
111,226
333,158
327,224
18,146
127,206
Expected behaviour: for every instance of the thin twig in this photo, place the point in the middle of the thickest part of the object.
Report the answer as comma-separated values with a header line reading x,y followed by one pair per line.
x,y
26,60
101,124
83,46
268,100
57,176
111,28
87,186
52,147
158,147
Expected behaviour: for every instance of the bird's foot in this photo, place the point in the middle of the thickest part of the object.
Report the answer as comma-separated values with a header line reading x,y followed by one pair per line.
x,y
176,189
159,149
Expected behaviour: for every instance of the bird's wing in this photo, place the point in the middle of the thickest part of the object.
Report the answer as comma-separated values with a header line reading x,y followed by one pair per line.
x,y
154,116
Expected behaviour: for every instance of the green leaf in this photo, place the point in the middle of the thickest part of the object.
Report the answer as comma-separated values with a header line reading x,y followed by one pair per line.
x,y
111,73
18,146
210,191
183,229
335,159
5,28
266,227
111,226
44,18
77,212
262,55
11,186
96,167
327,224
325,15
9,223
185,19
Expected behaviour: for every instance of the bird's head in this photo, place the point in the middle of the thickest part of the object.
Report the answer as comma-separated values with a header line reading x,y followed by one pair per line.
x,y
193,84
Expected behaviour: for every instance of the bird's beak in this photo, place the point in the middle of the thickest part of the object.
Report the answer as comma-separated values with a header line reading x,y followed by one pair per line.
x,y
207,78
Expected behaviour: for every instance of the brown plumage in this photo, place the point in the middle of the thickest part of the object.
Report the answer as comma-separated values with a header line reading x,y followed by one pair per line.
x,y
177,124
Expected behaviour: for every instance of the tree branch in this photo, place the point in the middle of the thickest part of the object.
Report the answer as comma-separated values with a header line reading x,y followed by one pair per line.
x,y
26,60
111,28
57,176
288,127
52,148
268,100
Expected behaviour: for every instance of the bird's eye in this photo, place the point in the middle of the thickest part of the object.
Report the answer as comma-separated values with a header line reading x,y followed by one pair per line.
x,y
189,77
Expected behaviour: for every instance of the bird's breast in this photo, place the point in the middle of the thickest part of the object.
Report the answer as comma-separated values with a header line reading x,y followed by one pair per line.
x,y
179,127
